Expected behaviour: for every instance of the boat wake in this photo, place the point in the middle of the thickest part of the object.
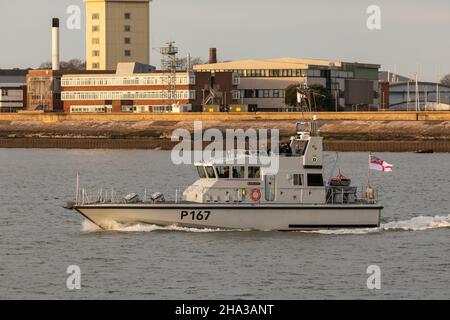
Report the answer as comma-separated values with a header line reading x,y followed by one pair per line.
x,y
420,223
88,226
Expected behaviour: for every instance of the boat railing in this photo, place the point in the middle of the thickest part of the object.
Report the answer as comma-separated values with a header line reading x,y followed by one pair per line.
x,y
111,196
351,195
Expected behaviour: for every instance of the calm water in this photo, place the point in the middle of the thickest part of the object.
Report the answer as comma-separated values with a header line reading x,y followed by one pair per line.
x,y
39,239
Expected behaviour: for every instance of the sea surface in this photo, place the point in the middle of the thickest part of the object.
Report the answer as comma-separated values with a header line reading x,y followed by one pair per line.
x,y
39,239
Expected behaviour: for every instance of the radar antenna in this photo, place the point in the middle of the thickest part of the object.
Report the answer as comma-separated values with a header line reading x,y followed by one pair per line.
x,y
170,65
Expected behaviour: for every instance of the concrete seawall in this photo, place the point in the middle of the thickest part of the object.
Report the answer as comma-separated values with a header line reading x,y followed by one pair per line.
x,y
135,117
164,144
344,131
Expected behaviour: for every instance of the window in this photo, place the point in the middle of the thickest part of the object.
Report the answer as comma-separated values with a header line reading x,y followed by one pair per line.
x,y
95,28
96,65
254,173
315,180
127,16
201,172
4,93
127,53
249,93
96,53
95,40
210,172
297,180
127,40
95,16
223,172
127,28
238,172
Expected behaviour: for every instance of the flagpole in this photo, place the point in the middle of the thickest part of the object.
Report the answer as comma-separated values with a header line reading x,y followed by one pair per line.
x,y
368,171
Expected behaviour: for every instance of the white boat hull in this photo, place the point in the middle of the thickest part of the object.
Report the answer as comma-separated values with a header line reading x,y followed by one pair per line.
x,y
251,217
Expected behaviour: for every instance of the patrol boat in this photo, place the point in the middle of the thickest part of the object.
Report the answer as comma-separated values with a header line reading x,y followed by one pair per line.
x,y
250,195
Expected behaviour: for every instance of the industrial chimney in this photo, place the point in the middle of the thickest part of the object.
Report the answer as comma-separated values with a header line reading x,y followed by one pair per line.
x,y
55,44
212,55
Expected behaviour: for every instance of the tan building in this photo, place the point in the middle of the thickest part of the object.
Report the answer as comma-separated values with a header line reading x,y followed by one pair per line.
x,y
263,82
117,31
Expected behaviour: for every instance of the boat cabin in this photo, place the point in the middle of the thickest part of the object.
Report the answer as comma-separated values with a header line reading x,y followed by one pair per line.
x,y
294,175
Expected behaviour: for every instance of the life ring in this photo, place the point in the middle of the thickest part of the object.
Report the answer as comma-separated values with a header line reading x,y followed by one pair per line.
x,y
255,195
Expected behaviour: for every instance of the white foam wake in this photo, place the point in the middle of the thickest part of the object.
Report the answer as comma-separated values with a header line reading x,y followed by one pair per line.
x,y
420,223
88,226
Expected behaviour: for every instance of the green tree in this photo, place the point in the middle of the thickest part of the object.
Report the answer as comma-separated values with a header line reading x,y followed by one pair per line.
x,y
182,62
71,65
318,97
446,80
290,96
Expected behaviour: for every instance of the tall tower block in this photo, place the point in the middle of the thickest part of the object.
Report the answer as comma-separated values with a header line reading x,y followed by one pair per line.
x,y
117,31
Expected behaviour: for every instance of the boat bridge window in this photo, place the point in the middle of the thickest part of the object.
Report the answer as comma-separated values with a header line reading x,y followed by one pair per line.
x,y
298,147
210,172
315,180
238,172
223,172
201,172
254,172
297,179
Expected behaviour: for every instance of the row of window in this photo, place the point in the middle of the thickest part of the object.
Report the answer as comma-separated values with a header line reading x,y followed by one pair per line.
x,y
40,97
126,95
126,40
157,109
162,109
90,109
228,172
287,73
313,179
13,93
273,73
108,109
126,16
126,28
156,79
254,172
263,93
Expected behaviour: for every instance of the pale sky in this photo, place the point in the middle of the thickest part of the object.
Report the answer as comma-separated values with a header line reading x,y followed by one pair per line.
x,y
413,32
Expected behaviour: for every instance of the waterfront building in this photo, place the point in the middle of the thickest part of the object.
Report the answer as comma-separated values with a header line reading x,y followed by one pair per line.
x,y
131,90
12,90
117,31
263,82
44,88
430,96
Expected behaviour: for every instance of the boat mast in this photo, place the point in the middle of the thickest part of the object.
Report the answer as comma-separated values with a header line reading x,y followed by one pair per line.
x,y
368,171
78,188
417,91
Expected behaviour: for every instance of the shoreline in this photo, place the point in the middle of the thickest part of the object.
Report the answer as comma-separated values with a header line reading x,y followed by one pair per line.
x,y
439,146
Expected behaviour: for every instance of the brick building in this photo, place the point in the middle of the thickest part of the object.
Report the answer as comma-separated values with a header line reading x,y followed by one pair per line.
x,y
44,88
147,92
